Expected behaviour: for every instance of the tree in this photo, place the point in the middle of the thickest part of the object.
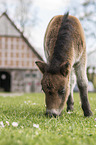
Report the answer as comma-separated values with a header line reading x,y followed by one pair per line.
x,y
23,13
85,10
3,6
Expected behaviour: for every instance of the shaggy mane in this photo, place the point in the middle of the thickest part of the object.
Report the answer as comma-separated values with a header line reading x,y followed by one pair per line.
x,y
63,43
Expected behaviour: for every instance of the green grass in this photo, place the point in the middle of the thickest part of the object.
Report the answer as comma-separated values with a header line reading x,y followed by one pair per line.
x,y
68,129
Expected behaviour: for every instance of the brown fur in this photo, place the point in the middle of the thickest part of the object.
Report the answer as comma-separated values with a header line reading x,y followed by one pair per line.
x,y
65,50
77,47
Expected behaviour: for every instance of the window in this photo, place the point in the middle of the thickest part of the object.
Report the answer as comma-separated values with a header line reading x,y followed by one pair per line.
x,y
11,54
11,63
17,55
5,62
0,54
34,75
5,54
17,63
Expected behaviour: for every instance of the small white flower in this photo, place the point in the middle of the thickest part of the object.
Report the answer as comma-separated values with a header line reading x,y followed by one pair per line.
x,y
22,127
1,124
37,133
15,124
95,125
69,112
25,102
95,119
7,123
36,125
33,103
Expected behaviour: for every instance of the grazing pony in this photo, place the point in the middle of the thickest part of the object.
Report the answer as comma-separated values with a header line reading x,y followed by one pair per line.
x,y
65,50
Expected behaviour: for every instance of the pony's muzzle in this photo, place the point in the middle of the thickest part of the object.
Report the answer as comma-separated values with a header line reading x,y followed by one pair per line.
x,y
52,113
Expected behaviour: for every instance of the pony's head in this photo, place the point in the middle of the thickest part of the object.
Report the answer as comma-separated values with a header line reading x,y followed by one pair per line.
x,y
55,86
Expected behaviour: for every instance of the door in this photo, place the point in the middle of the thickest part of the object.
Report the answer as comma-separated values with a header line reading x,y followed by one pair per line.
x,y
5,80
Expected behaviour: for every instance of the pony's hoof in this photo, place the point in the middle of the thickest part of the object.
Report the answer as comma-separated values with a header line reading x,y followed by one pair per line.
x,y
88,113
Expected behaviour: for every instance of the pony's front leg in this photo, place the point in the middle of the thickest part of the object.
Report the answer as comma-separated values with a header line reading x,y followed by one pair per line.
x,y
70,101
82,82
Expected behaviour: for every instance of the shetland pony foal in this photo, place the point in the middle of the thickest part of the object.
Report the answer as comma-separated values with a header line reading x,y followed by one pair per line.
x,y
65,50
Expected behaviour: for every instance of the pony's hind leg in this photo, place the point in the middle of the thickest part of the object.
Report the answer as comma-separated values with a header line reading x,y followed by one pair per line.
x,y
82,82
70,101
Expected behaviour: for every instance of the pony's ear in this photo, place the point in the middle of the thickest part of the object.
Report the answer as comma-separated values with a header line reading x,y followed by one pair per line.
x,y
65,68
41,65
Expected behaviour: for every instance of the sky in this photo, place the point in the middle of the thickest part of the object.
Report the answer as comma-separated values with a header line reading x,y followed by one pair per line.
x,y
45,10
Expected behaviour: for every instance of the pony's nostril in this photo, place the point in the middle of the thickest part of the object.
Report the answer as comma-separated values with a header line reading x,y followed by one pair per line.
x,y
48,114
55,115
52,112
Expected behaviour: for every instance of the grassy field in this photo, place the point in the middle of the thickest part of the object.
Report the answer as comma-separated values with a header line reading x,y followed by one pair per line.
x,y
33,128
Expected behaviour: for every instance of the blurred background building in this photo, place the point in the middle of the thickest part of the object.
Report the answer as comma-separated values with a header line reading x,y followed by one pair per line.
x,y
18,72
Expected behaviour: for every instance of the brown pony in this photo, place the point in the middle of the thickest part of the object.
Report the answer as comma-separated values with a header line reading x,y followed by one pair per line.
x,y
65,50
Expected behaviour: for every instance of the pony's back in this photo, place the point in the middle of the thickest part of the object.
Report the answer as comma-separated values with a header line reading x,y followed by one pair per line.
x,y
64,40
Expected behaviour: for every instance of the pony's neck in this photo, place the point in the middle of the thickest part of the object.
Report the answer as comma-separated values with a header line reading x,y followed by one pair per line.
x,y
54,66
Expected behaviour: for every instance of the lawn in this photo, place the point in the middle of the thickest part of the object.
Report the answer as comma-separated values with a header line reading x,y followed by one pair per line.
x,y
33,128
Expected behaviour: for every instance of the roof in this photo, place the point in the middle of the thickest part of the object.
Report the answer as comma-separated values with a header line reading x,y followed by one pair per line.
x,y
22,35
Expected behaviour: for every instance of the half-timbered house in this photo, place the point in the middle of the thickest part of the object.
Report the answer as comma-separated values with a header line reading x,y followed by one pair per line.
x,y
18,72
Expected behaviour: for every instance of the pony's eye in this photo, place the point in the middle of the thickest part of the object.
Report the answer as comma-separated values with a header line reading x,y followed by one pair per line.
x,y
50,93
61,91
